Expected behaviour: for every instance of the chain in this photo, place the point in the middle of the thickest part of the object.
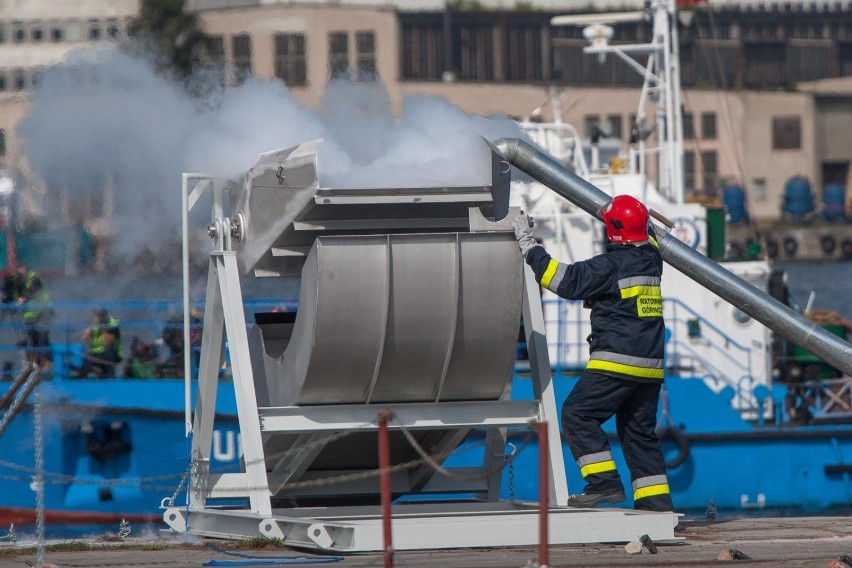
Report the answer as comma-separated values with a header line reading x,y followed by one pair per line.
x,y
38,480
123,530
509,461
12,536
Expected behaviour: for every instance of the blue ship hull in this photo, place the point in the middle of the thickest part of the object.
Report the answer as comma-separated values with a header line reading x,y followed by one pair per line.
x,y
723,458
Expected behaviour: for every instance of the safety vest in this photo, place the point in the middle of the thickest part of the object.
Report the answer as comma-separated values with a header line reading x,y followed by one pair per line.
x,y
96,339
622,287
34,291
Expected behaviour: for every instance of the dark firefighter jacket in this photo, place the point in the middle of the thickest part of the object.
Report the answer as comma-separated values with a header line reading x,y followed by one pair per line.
x,y
622,287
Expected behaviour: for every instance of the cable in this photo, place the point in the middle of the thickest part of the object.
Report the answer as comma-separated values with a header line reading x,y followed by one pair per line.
x,y
269,560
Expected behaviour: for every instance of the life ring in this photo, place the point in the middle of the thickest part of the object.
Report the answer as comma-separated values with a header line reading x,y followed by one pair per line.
x,y
771,248
827,243
677,436
846,248
790,246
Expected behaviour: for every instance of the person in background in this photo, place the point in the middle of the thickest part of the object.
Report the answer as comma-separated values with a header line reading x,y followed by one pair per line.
x,y
25,288
624,374
102,341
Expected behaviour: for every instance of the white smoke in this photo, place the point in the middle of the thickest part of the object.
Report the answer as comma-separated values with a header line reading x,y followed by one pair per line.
x,y
107,117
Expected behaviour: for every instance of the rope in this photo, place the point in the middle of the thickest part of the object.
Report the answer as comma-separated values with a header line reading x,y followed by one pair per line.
x,y
268,560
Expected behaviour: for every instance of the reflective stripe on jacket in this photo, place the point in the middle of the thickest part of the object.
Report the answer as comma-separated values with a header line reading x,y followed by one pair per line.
x,y
622,286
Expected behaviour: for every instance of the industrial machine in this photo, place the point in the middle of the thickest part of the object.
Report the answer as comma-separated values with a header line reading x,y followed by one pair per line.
x,y
410,303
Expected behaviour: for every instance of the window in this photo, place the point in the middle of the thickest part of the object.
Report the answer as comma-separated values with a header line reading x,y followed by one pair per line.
x,y
590,121
241,53
710,169
365,56
113,30
56,34
2,32
616,128
476,57
18,32
786,133
758,189
290,63
338,55
2,142
708,125
4,82
36,32
216,57
422,52
688,126
689,169
19,80
94,33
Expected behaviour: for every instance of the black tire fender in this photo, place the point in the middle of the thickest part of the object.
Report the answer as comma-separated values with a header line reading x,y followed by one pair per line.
x,y
772,248
791,245
846,248
828,243
677,436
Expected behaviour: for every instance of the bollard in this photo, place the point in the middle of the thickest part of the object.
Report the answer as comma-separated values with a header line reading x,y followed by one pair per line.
x,y
385,486
543,497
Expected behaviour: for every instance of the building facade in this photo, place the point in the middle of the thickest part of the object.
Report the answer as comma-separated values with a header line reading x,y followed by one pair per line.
x,y
746,119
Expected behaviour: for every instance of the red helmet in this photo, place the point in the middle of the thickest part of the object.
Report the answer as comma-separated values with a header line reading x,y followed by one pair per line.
x,y
626,220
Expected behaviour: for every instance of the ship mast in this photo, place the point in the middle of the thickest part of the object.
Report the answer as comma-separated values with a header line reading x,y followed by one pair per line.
x,y
661,83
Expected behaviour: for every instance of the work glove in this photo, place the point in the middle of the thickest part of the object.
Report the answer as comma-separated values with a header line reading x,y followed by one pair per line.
x,y
523,232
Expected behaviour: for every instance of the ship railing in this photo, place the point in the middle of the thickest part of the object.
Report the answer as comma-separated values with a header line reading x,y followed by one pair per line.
x,y
699,330
720,362
826,399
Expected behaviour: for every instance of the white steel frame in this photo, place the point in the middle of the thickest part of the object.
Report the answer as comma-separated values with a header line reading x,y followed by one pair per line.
x,y
358,529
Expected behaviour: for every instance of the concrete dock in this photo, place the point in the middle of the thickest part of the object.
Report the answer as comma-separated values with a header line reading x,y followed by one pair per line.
x,y
786,541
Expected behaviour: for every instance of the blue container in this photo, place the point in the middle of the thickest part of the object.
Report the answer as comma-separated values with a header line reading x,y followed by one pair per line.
x,y
834,200
798,199
733,198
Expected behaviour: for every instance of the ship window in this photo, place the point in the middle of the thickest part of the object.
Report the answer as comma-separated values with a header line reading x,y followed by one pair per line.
x,y
2,32
56,34
2,142
338,55
365,54
290,62
708,125
740,316
241,53
688,126
786,133
4,83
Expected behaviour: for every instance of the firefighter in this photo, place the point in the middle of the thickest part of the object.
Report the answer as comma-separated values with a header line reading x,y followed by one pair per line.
x,y
624,374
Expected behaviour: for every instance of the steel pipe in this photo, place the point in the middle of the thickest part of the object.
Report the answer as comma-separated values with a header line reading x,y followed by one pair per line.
x,y
712,276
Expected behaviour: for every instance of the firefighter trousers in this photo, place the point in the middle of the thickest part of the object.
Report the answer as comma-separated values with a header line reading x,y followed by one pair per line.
x,y
594,400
